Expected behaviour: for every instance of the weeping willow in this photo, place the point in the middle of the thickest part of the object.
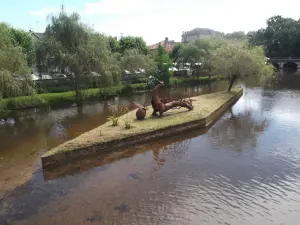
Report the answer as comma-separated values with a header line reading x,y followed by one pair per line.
x,y
70,45
14,73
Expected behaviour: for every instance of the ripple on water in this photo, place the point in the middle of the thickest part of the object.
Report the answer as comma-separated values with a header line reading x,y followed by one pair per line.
x,y
244,170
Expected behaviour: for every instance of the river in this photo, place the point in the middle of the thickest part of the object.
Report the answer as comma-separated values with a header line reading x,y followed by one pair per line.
x,y
245,169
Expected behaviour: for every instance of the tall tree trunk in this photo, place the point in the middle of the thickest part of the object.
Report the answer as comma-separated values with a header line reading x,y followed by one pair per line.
x,y
232,79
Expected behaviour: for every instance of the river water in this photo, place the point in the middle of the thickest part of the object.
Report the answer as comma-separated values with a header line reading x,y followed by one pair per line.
x,y
245,169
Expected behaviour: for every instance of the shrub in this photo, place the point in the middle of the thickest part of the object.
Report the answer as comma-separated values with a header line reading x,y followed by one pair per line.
x,y
114,119
127,123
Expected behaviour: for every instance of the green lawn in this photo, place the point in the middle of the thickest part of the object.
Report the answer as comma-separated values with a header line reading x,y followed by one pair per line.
x,y
67,98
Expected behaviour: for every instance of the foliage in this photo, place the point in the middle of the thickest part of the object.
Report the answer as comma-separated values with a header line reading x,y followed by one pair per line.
x,y
199,50
113,44
236,59
116,113
114,120
131,42
126,123
69,44
191,53
281,37
174,55
133,60
237,35
163,63
23,39
14,73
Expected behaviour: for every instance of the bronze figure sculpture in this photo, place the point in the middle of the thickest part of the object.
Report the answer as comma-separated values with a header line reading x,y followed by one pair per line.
x,y
163,105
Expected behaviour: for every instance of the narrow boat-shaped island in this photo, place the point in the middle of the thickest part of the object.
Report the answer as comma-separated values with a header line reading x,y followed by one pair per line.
x,y
206,109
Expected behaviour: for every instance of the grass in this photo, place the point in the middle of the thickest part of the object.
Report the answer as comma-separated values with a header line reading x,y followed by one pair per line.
x,y
114,120
204,105
175,81
68,98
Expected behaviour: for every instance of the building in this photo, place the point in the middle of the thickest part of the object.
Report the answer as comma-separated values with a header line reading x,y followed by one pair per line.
x,y
42,70
36,36
188,36
166,44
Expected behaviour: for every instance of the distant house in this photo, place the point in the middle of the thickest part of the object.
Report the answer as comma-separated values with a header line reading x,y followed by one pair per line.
x,y
188,36
36,36
42,70
166,44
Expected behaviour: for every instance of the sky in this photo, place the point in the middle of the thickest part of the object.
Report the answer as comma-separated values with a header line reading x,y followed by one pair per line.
x,y
151,19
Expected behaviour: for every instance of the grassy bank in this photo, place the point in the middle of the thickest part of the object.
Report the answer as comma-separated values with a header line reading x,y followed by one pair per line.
x,y
207,108
67,98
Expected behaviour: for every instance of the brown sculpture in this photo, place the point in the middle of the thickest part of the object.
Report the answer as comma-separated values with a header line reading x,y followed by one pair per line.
x,y
163,105
141,111
157,105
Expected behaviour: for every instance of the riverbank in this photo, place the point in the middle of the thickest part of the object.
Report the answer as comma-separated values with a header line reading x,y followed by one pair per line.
x,y
207,108
95,94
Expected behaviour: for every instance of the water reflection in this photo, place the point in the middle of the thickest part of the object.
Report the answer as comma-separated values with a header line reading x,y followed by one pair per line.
x,y
239,131
175,145
243,170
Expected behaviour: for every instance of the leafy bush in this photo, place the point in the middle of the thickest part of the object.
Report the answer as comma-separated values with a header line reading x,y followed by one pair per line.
x,y
114,119
127,123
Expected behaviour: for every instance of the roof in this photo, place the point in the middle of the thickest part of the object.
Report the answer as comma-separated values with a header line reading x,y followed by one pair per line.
x,y
36,35
168,47
201,31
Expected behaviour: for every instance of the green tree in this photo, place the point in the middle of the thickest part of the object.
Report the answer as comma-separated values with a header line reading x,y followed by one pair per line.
x,y
113,44
174,54
256,37
24,40
237,59
70,44
131,42
133,60
191,53
163,63
237,35
14,73
198,51
281,37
